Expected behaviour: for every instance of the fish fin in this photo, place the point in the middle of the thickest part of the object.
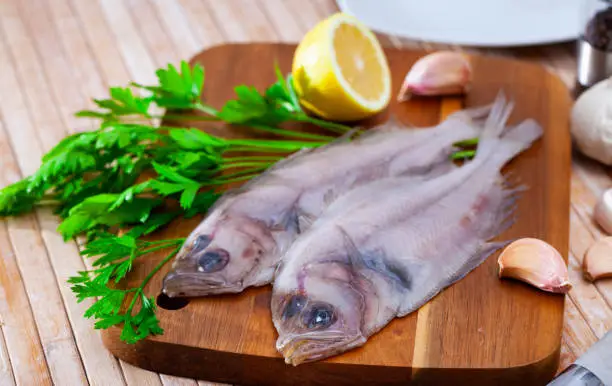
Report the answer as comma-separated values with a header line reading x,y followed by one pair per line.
x,y
304,221
498,117
476,115
377,262
477,258
354,255
329,197
494,126
514,142
391,125
503,219
345,137
499,148
295,220
526,132
486,250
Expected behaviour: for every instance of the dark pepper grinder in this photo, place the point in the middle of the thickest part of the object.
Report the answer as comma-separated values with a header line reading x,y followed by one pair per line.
x,y
595,42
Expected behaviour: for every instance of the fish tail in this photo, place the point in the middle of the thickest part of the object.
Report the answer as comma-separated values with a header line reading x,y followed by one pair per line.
x,y
500,145
478,115
497,118
514,142
494,126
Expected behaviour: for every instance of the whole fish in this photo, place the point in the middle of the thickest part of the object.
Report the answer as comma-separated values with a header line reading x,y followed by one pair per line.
x,y
242,238
368,260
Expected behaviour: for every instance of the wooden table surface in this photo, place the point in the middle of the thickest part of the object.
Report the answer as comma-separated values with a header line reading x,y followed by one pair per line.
x,y
55,55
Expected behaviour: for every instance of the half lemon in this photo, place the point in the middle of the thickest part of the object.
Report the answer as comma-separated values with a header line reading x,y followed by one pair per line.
x,y
340,71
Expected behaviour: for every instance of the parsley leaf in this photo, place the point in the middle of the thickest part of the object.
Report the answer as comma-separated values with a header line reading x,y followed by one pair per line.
x,y
16,199
96,210
122,102
120,176
177,183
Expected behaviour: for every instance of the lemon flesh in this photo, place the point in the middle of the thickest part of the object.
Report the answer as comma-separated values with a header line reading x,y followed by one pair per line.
x,y
340,70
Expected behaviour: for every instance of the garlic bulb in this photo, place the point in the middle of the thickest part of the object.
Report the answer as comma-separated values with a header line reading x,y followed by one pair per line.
x,y
439,73
591,122
597,262
603,211
535,262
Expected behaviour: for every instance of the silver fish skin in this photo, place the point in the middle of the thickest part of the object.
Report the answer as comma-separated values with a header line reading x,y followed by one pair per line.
x,y
243,237
367,260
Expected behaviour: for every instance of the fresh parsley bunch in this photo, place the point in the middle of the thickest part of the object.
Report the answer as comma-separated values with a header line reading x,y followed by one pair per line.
x,y
117,184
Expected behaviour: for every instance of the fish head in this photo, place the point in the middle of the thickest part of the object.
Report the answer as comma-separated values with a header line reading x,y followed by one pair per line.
x,y
321,319
219,259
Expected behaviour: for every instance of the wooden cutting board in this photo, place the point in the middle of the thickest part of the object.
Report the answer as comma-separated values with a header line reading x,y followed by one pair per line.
x,y
480,331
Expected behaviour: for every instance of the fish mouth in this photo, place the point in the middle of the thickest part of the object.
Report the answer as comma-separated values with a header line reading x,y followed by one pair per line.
x,y
298,349
188,284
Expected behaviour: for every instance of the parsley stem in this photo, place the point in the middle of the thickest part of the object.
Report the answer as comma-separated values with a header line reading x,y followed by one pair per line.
x,y
158,245
288,133
162,263
241,165
186,117
139,289
235,149
252,158
467,142
47,202
463,154
238,176
248,171
280,145
233,180
335,127
206,109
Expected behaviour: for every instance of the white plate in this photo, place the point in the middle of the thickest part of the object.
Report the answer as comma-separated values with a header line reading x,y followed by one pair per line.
x,y
471,22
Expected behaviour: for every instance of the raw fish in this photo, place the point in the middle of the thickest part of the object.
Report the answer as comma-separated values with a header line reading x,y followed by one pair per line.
x,y
383,250
240,242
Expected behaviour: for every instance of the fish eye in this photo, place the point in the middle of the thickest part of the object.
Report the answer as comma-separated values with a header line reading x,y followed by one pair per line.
x,y
295,305
320,316
213,260
200,243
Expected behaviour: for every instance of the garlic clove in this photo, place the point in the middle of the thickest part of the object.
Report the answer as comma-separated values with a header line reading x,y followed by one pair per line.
x,y
597,262
535,262
602,213
439,73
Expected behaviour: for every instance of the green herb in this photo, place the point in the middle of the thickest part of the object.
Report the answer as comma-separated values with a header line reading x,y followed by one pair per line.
x,y
181,91
467,143
463,154
126,174
132,176
115,257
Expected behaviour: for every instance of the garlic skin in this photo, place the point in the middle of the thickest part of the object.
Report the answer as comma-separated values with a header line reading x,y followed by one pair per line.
x,y
439,73
602,214
535,262
597,262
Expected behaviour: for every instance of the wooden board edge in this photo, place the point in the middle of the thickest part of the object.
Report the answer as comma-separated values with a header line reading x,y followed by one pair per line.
x,y
179,360
223,46
140,354
561,95
534,373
